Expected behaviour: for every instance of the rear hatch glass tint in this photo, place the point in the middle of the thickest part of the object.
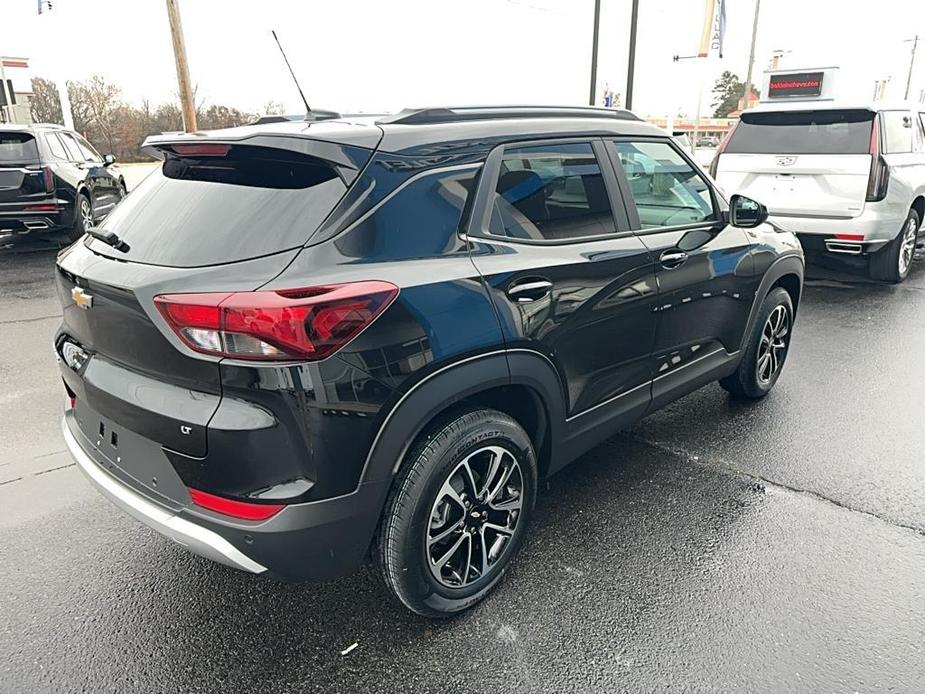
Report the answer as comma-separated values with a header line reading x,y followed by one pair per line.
x,y
207,210
17,148
803,132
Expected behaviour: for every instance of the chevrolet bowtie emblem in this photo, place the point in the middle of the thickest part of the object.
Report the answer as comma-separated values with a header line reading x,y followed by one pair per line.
x,y
81,298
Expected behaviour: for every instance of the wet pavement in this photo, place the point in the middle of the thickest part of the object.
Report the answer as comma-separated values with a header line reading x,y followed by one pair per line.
x,y
716,546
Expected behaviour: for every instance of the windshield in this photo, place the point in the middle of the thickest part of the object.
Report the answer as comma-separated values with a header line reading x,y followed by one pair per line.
x,y
17,147
803,132
210,210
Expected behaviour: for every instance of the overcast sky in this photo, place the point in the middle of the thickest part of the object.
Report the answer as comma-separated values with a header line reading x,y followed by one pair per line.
x,y
381,55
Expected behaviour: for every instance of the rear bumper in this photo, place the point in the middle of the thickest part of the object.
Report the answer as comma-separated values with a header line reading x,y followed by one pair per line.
x,y
309,541
871,230
14,225
195,538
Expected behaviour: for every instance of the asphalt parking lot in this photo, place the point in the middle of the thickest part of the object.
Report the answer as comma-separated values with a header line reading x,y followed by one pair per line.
x,y
717,546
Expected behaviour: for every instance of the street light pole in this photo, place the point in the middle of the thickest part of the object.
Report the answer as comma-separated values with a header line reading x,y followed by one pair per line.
x,y
179,53
597,27
751,57
631,69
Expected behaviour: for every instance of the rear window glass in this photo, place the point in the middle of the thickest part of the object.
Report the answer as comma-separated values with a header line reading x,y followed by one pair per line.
x,y
803,132
211,210
17,147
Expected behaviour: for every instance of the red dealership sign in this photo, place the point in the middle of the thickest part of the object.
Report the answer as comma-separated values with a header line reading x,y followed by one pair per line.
x,y
795,84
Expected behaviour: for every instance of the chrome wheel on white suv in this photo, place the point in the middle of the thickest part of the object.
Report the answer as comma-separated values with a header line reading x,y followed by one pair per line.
x,y
907,247
894,261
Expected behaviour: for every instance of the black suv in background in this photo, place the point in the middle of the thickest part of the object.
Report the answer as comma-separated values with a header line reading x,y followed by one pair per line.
x,y
52,181
297,345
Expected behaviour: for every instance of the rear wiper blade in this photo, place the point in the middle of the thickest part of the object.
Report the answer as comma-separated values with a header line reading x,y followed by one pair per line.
x,y
110,238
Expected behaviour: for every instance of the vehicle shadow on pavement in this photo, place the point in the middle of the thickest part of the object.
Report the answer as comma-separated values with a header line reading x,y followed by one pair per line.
x,y
621,521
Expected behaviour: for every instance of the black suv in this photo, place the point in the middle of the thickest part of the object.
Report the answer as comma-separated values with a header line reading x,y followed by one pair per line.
x,y
52,182
301,344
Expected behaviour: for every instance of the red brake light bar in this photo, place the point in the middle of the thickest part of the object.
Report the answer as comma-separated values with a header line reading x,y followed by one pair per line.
x,y
202,149
849,237
306,324
234,508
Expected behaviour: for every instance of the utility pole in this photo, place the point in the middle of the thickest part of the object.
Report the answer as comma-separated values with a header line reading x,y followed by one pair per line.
x,y
751,57
179,53
915,43
632,57
597,28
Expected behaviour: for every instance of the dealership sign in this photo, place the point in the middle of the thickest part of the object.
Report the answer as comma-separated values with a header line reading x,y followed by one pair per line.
x,y
784,85
808,84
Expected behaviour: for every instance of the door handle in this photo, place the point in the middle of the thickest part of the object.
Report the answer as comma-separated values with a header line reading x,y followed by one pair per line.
x,y
530,290
672,258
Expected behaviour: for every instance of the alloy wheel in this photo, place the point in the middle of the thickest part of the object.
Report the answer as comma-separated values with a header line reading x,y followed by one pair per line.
x,y
773,345
86,213
907,249
474,517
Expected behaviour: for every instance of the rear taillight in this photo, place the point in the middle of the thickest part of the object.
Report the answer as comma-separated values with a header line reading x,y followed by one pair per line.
x,y
232,507
879,178
48,177
714,165
849,237
284,325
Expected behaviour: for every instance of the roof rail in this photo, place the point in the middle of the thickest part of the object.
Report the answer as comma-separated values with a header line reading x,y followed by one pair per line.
x,y
454,114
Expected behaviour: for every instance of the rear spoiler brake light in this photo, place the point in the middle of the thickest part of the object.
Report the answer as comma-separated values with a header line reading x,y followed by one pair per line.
x,y
204,149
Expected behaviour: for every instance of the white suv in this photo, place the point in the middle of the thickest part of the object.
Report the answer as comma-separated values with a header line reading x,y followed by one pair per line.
x,y
848,179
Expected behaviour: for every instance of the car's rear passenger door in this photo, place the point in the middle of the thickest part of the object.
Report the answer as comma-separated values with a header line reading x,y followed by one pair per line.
x,y
704,268
550,235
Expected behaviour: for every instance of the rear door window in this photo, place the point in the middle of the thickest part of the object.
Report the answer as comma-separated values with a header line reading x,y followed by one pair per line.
x,y
17,148
897,132
71,147
251,202
551,192
803,132
55,146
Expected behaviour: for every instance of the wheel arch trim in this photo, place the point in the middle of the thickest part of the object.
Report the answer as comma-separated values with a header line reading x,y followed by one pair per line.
x,y
791,264
454,383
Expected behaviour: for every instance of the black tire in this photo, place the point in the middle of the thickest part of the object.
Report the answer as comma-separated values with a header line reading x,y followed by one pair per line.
x,y
80,227
418,511
748,381
893,262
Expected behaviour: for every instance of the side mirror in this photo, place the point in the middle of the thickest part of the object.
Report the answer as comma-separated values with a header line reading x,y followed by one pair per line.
x,y
109,159
746,213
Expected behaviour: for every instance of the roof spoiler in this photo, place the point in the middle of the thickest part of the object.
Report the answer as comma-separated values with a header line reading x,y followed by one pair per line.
x,y
167,144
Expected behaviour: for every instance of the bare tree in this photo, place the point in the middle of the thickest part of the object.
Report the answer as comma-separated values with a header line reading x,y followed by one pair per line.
x,y
217,116
113,126
45,104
